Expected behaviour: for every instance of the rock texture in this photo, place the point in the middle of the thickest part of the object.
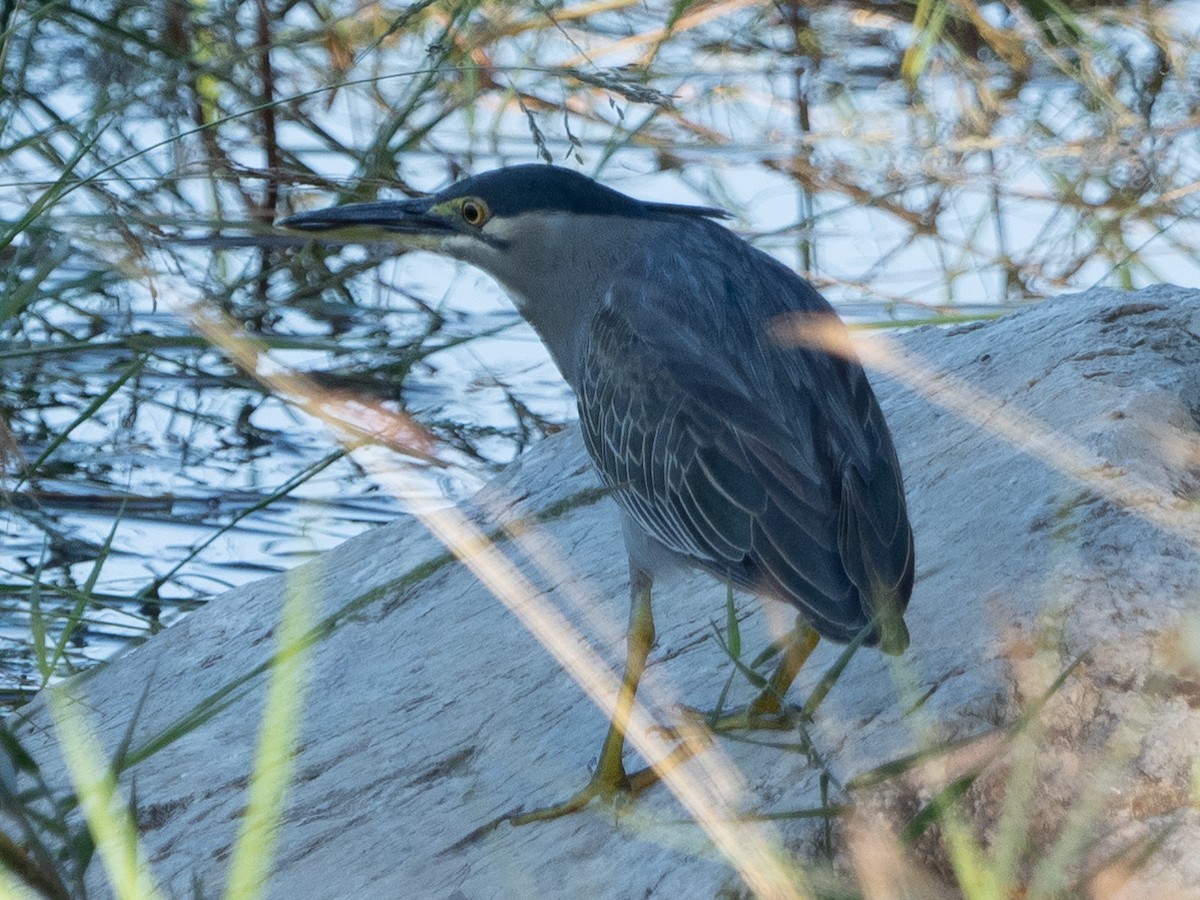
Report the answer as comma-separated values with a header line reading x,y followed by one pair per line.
x,y
1053,468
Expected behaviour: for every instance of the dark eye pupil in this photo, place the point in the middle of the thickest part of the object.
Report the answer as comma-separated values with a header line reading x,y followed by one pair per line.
x,y
472,213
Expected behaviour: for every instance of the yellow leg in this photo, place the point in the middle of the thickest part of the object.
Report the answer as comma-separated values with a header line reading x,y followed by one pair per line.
x,y
800,645
610,777
766,710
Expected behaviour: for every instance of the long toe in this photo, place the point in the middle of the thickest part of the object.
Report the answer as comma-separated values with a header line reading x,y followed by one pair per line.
x,y
755,716
605,785
692,741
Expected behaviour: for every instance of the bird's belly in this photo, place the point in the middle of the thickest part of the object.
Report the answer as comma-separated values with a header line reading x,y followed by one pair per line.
x,y
645,553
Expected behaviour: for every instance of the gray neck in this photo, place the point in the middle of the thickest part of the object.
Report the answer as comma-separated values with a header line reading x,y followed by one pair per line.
x,y
560,269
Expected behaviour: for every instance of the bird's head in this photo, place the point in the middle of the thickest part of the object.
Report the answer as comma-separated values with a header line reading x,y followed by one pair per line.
x,y
514,223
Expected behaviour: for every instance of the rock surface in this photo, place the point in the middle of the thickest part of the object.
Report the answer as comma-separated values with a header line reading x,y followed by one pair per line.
x,y
431,711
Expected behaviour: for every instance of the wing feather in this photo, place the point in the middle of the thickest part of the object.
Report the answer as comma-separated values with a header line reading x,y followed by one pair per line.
x,y
770,467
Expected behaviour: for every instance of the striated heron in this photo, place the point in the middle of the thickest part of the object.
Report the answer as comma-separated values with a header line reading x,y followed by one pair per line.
x,y
768,466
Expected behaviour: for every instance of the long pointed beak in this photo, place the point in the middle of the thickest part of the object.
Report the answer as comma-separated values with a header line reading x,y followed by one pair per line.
x,y
410,217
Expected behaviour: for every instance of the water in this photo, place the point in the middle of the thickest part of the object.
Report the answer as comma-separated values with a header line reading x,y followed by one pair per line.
x,y
984,189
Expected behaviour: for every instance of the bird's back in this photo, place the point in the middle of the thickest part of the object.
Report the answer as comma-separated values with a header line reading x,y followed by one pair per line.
x,y
767,465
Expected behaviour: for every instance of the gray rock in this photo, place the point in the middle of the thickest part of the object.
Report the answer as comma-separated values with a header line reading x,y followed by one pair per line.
x,y
431,711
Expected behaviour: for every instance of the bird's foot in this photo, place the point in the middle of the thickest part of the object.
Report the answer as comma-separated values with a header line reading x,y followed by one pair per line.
x,y
611,787
630,786
764,713
749,719
607,788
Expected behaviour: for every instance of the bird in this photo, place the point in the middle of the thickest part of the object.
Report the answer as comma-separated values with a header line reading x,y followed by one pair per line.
x,y
766,464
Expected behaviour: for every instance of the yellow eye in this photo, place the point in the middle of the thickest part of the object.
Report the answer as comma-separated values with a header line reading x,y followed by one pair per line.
x,y
474,212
